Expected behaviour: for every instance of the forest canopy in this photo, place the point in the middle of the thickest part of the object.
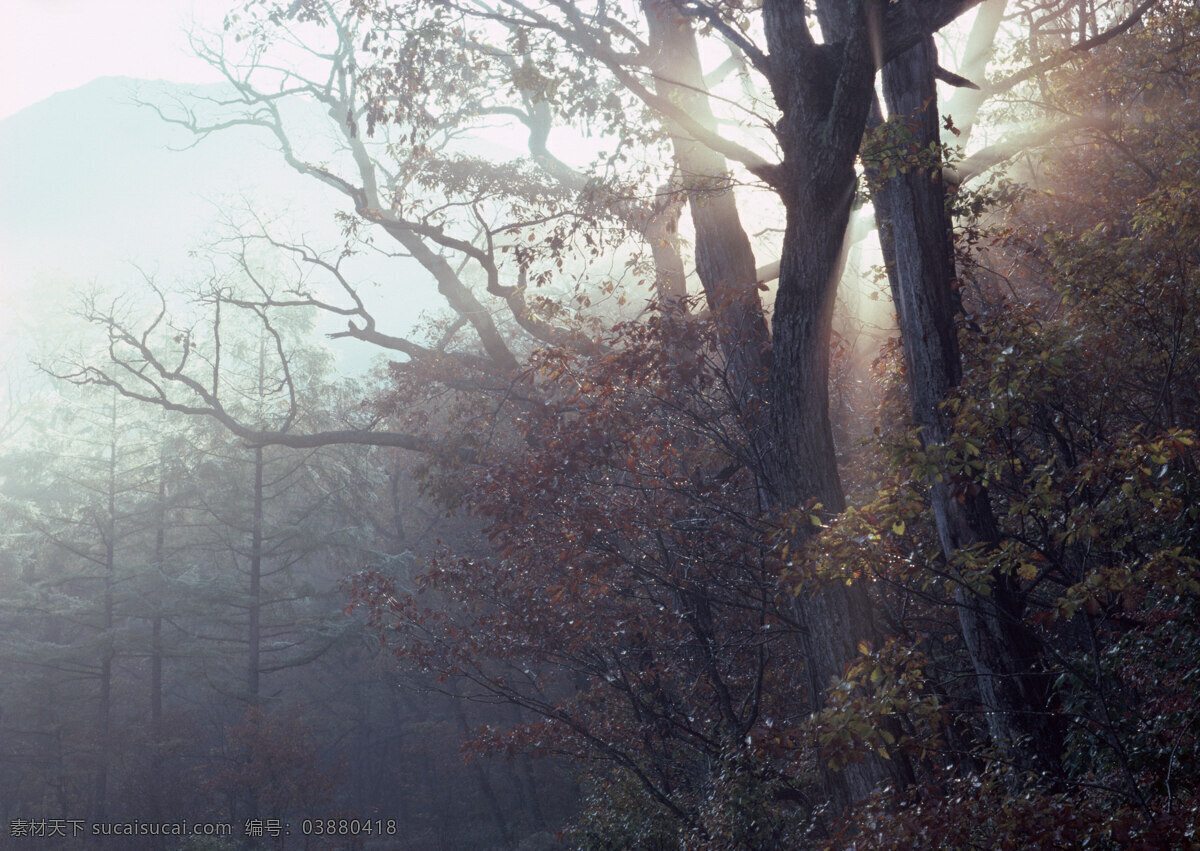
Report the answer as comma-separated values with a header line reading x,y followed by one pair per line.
x,y
683,545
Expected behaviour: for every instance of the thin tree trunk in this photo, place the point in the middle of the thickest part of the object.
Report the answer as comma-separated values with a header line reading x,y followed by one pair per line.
x,y
156,645
156,626
254,629
481,777
108,650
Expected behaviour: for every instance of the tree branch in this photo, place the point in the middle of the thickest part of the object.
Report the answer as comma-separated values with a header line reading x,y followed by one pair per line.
x,y
1068,54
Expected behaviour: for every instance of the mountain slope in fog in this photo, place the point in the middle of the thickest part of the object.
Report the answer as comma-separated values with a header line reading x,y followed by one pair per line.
x,y
88,181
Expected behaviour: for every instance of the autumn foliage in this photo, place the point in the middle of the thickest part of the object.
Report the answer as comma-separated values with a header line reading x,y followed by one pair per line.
x,y
959,609
1078,414
630,599
635,596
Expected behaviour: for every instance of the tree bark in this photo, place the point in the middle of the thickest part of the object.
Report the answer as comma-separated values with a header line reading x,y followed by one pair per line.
x,y
918,251
824,92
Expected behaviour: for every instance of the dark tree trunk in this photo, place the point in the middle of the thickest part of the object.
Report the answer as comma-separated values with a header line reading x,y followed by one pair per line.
x,y
824,92
792,438
918,251
254,609
254,629
482,780
156,645
107,643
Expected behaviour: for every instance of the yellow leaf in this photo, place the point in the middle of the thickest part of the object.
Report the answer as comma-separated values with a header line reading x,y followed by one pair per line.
x,y
898,527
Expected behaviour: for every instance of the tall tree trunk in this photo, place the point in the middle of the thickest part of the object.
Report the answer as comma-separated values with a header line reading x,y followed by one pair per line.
x,y
108,650
802,464
254,613
793,442
918,252
824,93
482,780
156,621
156,643
254,628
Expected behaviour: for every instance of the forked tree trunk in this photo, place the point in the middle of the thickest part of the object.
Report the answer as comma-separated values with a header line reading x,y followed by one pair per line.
x,y
792,438
824,93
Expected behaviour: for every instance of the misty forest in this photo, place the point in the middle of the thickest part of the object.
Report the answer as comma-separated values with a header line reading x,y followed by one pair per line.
x,y
610,424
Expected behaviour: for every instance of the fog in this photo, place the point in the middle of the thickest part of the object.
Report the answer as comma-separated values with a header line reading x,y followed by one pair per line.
x,y
600,425
168,647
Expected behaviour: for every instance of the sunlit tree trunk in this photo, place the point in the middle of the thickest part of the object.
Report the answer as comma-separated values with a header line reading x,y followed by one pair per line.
x,y
963,107
724,259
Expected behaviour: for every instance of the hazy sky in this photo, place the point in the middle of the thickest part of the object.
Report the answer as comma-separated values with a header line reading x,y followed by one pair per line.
x,y
48,46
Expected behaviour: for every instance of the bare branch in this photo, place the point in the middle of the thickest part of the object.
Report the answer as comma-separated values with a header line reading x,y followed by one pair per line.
x,y
1069,54
713,17
141,376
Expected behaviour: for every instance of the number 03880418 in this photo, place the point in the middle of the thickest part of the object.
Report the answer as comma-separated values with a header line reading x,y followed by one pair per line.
x,y
348,827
